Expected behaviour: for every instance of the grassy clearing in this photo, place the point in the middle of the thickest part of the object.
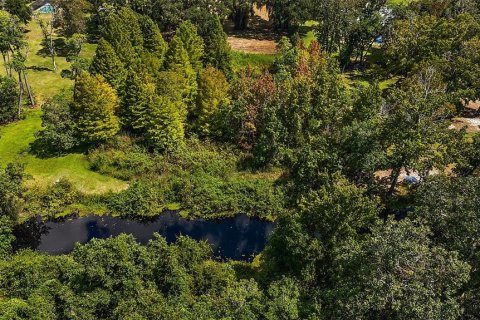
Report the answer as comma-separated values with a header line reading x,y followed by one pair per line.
x,y
260,61
15,140
44,81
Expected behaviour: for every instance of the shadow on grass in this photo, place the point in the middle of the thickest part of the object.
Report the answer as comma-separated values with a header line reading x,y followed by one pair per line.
x,y
43,150
38,68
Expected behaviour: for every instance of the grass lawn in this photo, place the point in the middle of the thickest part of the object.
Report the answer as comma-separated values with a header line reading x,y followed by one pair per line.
x,y
15,140
260,61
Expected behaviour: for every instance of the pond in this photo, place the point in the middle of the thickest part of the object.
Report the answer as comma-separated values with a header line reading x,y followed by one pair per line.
x,y
238,238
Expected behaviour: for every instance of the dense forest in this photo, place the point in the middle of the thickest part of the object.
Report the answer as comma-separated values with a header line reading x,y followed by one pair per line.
x,y
355,142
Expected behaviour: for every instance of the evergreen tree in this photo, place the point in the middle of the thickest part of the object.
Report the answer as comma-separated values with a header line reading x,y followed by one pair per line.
x,y
212,94
114,32
164,124
217,50
153,41
133,106
93,108
192,42
130,24
177,61
106,63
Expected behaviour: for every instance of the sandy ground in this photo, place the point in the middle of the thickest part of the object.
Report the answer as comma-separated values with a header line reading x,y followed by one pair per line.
x,y
252,45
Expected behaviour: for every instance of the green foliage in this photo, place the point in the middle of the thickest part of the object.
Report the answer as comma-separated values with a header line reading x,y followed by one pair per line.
x,y
60,199
192,43
58,134
213,91
71,16
449,206
330,219
164,123
398,274
11,191
93,109
201,178
133,104
152,38
106,63
217,50
19,8
115,32
6,236
177,60
8,100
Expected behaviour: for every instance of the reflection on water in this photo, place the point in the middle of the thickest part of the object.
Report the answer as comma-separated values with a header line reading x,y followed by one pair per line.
x,y
236,238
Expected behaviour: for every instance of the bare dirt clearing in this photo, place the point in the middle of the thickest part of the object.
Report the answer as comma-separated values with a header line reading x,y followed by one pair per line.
x,y
260,37
253,45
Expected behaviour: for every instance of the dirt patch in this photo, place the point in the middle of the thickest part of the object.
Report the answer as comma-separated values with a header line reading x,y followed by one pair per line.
x,y
253,45
259,37
472,125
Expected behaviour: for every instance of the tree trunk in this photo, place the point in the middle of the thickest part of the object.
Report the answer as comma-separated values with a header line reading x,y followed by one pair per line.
x,y
32,100
394,179
5,63
20,92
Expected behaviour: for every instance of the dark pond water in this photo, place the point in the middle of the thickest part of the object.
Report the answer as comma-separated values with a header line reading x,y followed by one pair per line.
x,y
238,238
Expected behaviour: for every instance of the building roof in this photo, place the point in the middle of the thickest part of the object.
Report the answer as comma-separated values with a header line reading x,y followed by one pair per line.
x,y
39,3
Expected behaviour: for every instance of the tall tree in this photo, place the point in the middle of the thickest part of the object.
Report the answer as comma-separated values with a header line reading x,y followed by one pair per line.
x,y
192,43
114,32
415,131
153,41
177,60
71,16
94,107
397,273
19,8
217,50
212,95
106,63
48,32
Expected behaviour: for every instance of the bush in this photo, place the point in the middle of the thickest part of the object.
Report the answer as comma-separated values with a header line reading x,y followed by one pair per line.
x,y
121,164
8,100
58,200
58,134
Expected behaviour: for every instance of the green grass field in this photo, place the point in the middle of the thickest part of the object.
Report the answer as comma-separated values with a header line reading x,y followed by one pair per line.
x,y
16,138
256,60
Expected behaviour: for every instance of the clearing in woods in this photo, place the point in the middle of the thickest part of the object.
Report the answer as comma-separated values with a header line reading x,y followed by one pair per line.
x,y
260,37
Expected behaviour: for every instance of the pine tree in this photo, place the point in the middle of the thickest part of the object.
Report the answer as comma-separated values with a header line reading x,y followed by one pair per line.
x,y
177,61
93,108
153,41
192,42
212,93
164,124
129,22
114,32
106,63
133,106
217,50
